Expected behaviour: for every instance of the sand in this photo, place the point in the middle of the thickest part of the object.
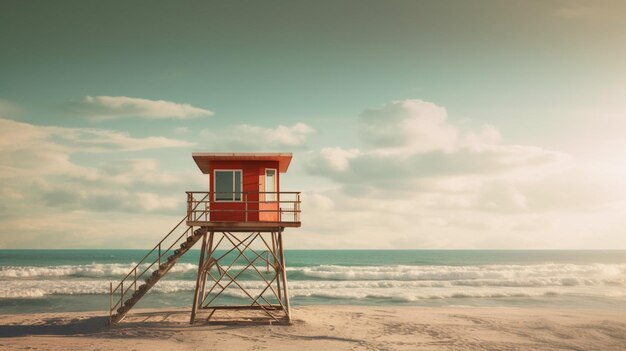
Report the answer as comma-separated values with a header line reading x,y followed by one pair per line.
x,y
326,328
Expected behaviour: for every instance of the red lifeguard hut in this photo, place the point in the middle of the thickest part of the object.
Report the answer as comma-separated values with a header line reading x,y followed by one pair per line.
x,y
240,219
245,188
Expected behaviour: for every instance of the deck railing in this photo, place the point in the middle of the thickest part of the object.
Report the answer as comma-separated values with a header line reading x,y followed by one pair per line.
x,y
245,206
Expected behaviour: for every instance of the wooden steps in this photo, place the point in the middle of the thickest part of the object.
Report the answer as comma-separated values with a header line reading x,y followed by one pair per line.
x,y
156,275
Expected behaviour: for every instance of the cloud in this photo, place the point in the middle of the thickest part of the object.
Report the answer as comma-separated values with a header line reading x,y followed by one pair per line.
x,y
282,135
414,124
419,179
73,196
371,167
114,107
119,185
103,140
14,135
52,229
28,149
406,141
255,138
334,159
39,174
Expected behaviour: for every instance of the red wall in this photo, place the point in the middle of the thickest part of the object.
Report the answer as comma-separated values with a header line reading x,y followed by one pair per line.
x,y
252,171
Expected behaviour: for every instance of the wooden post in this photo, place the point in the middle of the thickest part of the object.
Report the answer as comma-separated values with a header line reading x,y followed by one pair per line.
x,y
284,274
208,266
296,208
110,302
200,270
278,265
189,205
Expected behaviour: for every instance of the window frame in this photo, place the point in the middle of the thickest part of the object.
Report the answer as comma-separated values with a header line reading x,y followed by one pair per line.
x,y
234,193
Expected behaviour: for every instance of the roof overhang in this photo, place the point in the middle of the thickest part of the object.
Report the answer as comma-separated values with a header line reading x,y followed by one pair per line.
x,y
203,159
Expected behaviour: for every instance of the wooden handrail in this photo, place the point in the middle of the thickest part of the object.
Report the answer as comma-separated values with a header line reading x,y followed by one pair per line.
x,y
160,254
289,199
243,192
150,252
158,245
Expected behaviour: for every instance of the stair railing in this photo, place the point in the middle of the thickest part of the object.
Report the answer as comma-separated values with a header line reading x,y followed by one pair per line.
x,y
158,249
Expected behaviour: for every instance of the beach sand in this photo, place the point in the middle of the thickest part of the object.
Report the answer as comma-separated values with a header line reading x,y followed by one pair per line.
x,y
325,328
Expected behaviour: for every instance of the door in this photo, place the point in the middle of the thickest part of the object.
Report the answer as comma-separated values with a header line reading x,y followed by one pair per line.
x,y
270,184
269,207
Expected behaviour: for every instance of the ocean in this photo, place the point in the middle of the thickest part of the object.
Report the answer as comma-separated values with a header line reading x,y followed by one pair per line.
x,y
78,280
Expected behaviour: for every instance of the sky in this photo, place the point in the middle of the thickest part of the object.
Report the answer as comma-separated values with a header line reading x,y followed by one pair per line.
x,y
413,124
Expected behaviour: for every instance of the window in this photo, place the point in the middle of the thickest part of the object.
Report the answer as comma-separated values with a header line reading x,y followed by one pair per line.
x,y
270,184
227,185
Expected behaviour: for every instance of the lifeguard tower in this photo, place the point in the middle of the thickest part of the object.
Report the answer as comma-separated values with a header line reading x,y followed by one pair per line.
x,y
240,221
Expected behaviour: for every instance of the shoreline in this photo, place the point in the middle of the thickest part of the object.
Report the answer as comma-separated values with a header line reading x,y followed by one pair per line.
x,y
326,327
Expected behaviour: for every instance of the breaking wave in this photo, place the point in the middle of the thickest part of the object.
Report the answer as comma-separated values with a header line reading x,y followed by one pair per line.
x,y
516,275
356,283
88,270
354,290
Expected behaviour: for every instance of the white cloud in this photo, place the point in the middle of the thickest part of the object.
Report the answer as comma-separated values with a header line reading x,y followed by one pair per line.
x,y
420,180
114,107
39,174
32,149
408,140
80,229
106,197
18,134
411,124
282,135
27,150
104,140
336,159
255,138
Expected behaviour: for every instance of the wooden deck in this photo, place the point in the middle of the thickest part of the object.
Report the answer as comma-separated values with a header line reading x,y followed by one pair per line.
x,y
263,226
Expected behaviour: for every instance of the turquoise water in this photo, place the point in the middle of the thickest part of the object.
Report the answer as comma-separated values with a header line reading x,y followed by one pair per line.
x,y
74,280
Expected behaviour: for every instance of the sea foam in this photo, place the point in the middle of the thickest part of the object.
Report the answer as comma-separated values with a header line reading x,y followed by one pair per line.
x,y
392,282
88,270
355,290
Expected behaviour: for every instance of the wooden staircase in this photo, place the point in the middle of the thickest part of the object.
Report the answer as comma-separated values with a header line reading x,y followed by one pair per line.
x,y
127,293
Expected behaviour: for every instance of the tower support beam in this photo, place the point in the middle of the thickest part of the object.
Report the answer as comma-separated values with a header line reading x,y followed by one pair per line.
x,y
245,273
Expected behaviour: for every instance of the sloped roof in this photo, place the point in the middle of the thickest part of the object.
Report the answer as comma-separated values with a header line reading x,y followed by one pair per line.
x,y
203,159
